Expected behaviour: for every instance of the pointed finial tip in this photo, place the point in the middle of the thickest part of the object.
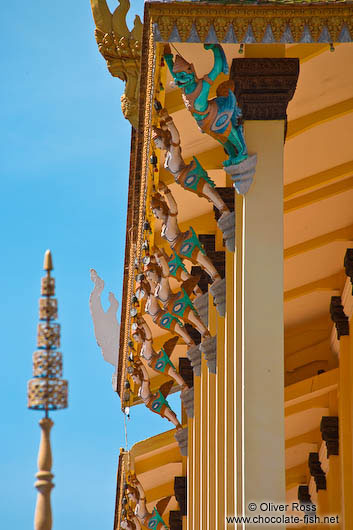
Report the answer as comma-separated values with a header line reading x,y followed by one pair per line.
x,y
48,261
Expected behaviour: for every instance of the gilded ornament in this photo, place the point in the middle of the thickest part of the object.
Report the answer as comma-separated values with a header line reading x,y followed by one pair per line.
x,y
293,12
48,335
47,364
221,26
240,26
315,26
278,26
121,49
258,28
184,25
46,391
203,27
334,26
48,286
48,308
165,25
50,394
296,25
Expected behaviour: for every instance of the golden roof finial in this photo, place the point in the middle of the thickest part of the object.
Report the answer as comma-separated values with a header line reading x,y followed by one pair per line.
x,y
46,391
48,261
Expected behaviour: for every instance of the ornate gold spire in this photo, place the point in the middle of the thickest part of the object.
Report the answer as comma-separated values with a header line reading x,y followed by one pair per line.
x,y
46,391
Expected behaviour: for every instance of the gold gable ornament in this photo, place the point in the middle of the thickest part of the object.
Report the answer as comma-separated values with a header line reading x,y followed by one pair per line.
x,y
121,49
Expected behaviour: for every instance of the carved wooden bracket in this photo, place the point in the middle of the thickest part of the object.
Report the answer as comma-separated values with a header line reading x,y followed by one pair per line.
x,y
218,258
339,317
175,520
316,471
348,264
329,433
194,355
304,495
264,86
227,195
180,491
186,371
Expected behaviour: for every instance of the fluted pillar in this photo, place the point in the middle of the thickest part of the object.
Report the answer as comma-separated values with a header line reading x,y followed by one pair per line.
x,y
44,485
263,87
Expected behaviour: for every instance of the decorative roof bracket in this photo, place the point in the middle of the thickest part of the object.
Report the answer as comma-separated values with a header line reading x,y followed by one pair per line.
x,y
121,49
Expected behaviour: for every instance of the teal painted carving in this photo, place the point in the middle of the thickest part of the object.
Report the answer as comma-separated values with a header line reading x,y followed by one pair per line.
x,y
192,177
219,117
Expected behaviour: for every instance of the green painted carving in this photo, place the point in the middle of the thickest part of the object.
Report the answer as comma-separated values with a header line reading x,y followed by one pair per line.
x,y
219,117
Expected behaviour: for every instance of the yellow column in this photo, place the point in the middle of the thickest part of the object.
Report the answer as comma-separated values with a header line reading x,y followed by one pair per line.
x,y
211,435
238,365
333,477
190,475
197,484
345,430
221,426
323,506
333,481
204,444
263,400
258,295
231,470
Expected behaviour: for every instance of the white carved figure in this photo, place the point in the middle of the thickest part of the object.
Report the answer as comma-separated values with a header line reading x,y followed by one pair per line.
x,y
106,326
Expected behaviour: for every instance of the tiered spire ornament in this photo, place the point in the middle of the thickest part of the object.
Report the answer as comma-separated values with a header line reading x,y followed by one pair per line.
x,y
46,391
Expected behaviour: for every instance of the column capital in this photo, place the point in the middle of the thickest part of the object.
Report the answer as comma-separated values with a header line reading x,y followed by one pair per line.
x,y
175,520
329,433
264,86
316,471
348,263
339,317
304,495
180,492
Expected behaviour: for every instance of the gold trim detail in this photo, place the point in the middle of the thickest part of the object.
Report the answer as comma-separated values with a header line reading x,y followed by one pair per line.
x,y
183,16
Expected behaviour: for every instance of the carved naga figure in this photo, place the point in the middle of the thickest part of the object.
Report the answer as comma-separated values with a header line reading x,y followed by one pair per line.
x,y
219,117
192,177
160,317
159,362
153,520
185,245
121,49
177,304
156,402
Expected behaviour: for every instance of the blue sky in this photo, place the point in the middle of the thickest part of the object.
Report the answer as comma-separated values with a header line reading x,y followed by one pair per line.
x,y
64,176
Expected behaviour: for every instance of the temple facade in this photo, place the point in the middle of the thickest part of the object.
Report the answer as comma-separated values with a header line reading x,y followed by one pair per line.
x,y
238,263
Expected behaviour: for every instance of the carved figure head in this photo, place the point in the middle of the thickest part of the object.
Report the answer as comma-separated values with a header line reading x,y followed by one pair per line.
x,y
143,288
159,206
183,72
136,373
152,271
161,137
132,493
137,333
